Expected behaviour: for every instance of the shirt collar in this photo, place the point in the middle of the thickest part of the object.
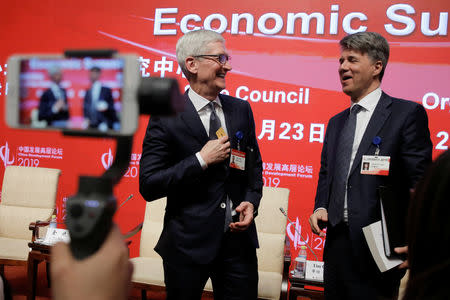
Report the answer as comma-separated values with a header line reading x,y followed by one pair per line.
x,y
199,101
370,101
54,86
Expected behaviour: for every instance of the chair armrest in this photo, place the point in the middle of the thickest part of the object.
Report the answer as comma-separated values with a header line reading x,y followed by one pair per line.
x,y
34,227
133,231
286,267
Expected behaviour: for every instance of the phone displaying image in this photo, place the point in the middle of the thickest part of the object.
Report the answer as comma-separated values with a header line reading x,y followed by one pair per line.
x,y
56,92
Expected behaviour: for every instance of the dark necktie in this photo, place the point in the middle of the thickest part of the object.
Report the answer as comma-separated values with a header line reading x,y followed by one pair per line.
x,y
93,111
214,122
214,125
341,168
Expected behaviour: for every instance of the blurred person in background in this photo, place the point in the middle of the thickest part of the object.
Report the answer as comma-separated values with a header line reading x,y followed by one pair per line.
x,y
98,108
429,234
53,106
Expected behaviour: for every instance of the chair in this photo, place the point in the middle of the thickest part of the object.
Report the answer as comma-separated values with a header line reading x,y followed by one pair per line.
x,y
28,195
273,256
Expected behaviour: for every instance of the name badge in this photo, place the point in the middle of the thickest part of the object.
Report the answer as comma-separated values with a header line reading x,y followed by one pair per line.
x,y
237,159
375,165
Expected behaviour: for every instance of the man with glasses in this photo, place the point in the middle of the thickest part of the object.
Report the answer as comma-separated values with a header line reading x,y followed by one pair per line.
x,y
208,226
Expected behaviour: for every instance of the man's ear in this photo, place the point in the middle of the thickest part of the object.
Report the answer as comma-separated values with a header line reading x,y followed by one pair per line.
x,y
191,65
378,66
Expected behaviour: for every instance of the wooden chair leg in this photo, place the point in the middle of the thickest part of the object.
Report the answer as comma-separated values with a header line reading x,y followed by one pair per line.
x,y
32,274
47,271
144,294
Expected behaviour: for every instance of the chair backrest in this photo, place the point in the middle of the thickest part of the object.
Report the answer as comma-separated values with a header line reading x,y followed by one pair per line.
x,y
271,226
152,227
28,195
270,223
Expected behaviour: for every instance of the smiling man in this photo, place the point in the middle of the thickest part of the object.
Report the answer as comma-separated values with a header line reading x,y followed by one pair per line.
x,y
376,127
208,226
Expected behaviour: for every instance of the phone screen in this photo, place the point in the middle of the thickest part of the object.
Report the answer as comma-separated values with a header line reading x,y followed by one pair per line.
x,y
71,93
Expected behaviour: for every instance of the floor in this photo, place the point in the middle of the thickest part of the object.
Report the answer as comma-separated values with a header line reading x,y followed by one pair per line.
x,y
17,279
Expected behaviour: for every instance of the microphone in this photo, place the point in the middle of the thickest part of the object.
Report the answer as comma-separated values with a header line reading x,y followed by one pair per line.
x,y
129,197
285,214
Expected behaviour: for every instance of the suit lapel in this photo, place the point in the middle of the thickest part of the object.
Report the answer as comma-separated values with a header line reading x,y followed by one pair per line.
x,y
334,138
228,110
192,120
380,115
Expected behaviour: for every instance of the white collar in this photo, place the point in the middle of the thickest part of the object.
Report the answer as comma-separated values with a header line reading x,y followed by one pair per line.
x,y
370,101
199,101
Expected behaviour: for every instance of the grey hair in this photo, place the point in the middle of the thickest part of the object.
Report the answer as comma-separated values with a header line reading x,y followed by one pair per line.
x,y
372,43
53,70
195,43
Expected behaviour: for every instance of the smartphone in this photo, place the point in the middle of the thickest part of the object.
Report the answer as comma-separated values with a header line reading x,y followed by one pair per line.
x,y
93,94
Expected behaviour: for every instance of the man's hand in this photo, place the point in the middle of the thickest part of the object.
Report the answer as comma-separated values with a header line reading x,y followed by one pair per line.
x,y
402,250
104,275
319,215
245,211
216,151
59,105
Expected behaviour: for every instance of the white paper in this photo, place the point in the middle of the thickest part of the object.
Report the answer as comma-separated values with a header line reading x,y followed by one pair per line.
x,y
314,270
374,238
55,235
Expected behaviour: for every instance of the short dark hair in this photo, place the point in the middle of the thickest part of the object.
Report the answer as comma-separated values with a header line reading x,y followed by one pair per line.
x,y
372,43
95,68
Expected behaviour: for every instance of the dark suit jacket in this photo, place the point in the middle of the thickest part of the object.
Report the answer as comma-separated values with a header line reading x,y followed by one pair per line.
x,y
403,128
194,219
45,108
95,117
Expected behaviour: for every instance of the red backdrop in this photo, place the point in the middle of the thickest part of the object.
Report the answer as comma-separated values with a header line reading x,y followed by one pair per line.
x,y
284,64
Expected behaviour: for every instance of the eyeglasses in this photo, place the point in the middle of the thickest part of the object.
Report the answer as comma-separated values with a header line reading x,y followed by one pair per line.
x,y
220,58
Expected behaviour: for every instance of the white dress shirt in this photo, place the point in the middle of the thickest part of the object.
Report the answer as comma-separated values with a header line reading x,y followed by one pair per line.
x,y
368,104
204,112
59,95
95,91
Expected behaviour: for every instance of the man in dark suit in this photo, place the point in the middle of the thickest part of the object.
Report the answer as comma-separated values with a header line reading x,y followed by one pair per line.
x,y
208,226
98,108
378,127
53,106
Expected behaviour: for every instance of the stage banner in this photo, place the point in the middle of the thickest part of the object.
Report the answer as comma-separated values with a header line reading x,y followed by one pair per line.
x,y
285,64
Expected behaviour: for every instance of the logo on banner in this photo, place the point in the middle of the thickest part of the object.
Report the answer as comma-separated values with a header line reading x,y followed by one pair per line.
x,y
294,231
4,154
107,159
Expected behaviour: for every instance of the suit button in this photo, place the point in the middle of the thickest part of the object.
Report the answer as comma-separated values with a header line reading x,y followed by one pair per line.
x,y
223,205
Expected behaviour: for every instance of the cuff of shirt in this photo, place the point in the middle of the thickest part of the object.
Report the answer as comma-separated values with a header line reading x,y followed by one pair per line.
x,y
319,208
201,161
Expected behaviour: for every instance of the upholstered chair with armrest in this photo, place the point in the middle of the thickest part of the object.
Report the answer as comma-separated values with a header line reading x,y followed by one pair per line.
x,y
273,256
28,195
